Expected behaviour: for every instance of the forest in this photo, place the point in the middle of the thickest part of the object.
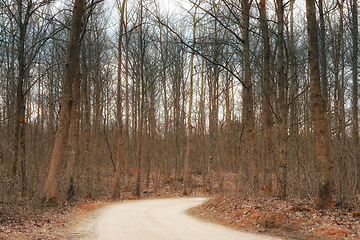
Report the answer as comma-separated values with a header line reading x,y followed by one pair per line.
x,y
106,98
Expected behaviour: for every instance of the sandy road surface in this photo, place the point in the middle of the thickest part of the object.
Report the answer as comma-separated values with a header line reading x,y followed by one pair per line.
x,y
159,219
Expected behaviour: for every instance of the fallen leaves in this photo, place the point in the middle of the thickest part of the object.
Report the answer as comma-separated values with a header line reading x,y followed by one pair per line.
x,y
300,209
289,219
44,224
84,208
356,215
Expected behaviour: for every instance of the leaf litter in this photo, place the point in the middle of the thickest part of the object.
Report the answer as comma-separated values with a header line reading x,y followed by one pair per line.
x,y
291,219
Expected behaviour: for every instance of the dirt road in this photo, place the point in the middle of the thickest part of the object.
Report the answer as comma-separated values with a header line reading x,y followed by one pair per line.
x,y
160,219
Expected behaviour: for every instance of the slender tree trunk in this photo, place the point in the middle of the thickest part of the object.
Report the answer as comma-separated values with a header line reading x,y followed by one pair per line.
x,y
148,131
19,142
166,111
140,139
73,149
72,68
21,102
188,143
141,107
202,125
338,41
294,123
154,149
127,116
120,154
97,109
323,64
318,109
51,115
177,114
342,76
268,121
282,102
250,153
86,130
20,125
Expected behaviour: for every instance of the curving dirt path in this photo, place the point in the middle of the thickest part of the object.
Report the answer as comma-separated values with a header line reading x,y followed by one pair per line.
x,y
159,219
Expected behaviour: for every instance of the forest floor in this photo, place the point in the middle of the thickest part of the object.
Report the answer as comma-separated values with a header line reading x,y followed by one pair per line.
x,y
288,219
291,219
19,221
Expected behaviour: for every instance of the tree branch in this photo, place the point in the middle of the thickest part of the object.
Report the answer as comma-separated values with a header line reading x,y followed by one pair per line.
x,y
192,48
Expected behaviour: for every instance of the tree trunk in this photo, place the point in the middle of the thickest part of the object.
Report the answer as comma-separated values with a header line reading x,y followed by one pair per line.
x,y
318,109
86,125
338,41
165,152
268,121
120,155
250,158
294,123
72,68
127,116
188,143
282,102
141,107
19,142
73,139
323,64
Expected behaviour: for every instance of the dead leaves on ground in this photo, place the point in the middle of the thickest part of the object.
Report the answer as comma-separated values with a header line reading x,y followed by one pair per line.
x,y
292,219
34,224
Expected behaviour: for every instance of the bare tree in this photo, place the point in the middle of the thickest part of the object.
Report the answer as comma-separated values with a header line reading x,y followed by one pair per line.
x,y
140,97
72,72
338,61
120,155
282,83
322,56
248,109
28,39
268,121
318,109
355,49
190,127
